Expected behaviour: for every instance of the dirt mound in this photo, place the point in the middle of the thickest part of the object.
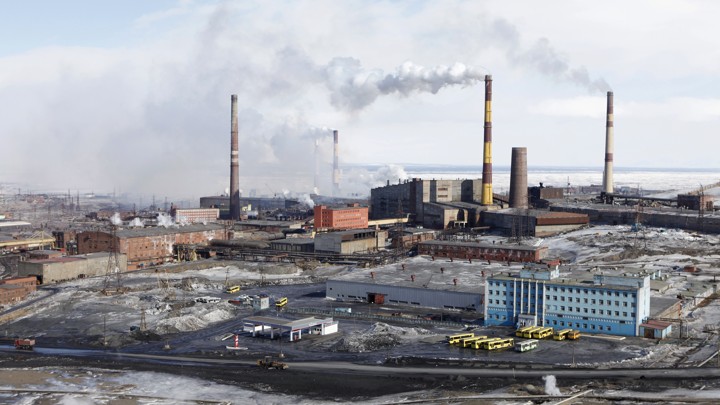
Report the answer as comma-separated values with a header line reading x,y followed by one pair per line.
x,y
379,336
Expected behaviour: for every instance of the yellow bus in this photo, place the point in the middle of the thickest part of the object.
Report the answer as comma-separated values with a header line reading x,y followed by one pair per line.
x,y
527,334
232,289
526,345
522,329
478,343
573,335
561,334
542,333
467,342
281,302
454,339
498,344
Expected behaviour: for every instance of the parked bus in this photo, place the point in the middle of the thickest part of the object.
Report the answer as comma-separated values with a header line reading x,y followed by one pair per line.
x,y
497,344
526,345
455,339
561,334
233,289
573,335
522,330
528,333
542,333
281,302
467,342
478,343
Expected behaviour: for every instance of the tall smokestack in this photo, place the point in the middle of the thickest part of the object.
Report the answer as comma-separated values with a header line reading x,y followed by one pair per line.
x,y
609,146
336,165
487,192
518,178
234,168
316,189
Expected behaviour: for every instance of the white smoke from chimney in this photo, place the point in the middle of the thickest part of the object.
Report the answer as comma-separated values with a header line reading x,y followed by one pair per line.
x,y
362,180
165,220
551,385
305,200
353,88
115,219
136,223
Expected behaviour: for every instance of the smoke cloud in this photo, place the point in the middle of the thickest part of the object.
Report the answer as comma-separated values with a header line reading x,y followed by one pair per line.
x,y
551,385
354,88
544,58
115,219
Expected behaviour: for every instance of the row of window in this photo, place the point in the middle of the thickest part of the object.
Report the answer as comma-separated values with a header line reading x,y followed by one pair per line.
x,y
578,310
585,326
577,300
508,290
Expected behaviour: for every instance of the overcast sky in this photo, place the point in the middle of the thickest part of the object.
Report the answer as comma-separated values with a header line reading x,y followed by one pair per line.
x,y
135,95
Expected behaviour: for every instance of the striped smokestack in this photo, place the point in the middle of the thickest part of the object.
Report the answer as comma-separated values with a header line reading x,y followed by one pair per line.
x,y
336,165
487,192
518,178
234,168
609,146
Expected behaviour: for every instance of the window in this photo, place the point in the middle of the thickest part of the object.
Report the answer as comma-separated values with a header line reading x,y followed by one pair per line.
x,y
585,300
592,327
617,313
562,308
625,304
585,325
569,309
592,311
577,299
617,303
608,328
625,314
602,302
562,299
547,297
593,301
585,310
555,297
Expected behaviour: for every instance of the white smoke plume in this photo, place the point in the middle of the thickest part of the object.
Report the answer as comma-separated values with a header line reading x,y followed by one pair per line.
x,y
136,223
306,200
360,180
115,219
544,58
551,386
353,88
165,220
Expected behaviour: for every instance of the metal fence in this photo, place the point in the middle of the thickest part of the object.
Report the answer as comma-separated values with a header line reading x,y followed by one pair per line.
x,y
377,317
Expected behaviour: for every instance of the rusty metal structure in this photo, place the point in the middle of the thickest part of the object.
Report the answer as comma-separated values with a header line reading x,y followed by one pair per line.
x,y
234,164
336,165
518,178
487,193
609,146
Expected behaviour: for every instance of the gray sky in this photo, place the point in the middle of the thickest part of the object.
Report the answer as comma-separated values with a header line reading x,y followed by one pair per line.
x,y
135,95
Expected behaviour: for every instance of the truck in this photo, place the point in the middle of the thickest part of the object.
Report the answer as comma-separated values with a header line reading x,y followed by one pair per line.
x,y
269,363
24,344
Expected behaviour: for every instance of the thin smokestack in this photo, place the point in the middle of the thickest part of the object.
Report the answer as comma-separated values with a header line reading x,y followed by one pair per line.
x,y
609,146
518,178
336,165
317,167
487,192
234,166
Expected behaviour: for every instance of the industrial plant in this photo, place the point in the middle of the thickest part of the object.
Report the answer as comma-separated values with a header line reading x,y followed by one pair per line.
x,y
624,279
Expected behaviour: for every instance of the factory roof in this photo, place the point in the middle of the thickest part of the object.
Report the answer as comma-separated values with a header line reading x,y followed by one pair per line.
x,y
294,241
481,245
8,224
75,258
429,274
570,282
264,223
159,230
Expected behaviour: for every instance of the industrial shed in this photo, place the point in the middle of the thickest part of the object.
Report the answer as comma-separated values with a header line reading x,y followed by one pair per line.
x,y
528,222
148,246
425,283
482,251
349,242
58,269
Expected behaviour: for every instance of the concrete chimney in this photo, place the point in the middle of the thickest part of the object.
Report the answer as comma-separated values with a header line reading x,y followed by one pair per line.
x,y
487,192
609,146
234,168
336,165
518,178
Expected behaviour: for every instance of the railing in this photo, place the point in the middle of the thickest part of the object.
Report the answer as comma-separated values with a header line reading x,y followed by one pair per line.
x,y
376,316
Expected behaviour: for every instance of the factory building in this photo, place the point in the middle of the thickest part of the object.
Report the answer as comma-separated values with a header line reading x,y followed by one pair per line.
x,y
16,289
612,305
195,215
256,204
436,204
533,223
351,241
421,283
303,245
148,246
482,251
352,216
56,269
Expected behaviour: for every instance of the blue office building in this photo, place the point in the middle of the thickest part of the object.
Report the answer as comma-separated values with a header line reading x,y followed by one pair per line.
x,y
612,305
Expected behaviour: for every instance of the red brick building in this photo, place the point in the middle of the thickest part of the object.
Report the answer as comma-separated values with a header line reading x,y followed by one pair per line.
x,y
16,289
483,251
195,215
148,246
351,217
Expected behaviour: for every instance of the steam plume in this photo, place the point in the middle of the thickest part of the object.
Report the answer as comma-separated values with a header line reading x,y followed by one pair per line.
x,y
354,88
115,219
551,386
